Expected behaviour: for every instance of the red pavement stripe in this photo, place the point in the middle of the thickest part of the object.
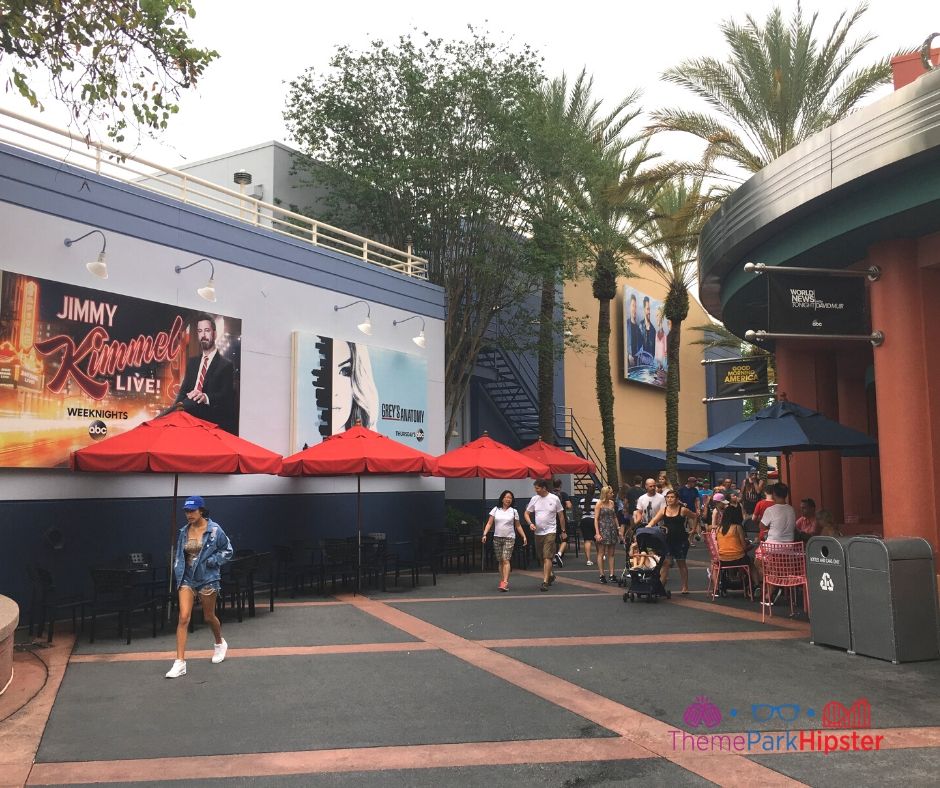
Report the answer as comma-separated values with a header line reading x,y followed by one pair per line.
x,y
626,640
22,732
644,731
425,756
311,603
266,651
488,598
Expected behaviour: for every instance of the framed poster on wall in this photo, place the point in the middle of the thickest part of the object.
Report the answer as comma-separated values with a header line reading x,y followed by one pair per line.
x,y
78,364
645,331
336,383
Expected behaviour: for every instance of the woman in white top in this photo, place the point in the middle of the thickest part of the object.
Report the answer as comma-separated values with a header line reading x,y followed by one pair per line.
x,y
504,520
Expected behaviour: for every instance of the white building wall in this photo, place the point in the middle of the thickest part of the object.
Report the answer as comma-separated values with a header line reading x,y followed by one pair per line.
x,y
270,307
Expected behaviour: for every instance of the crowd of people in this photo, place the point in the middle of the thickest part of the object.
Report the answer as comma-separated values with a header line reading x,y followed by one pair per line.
x,y
608,518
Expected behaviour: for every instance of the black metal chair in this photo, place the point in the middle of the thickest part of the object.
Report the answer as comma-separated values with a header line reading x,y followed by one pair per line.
x,y
117,591
338,559
414,557
261,579
293,567
236,584
378,561
452,550
47,603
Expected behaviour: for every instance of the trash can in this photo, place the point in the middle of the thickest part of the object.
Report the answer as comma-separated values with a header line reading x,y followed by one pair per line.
x,y
892,599
828,592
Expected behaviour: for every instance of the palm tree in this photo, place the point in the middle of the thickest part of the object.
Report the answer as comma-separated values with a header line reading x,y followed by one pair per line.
x,y
678,212
613,199
560,125
779,86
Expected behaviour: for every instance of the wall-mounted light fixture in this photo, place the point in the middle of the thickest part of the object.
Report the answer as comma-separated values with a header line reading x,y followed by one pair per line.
x,y
97,267
206,292
419,340
366,325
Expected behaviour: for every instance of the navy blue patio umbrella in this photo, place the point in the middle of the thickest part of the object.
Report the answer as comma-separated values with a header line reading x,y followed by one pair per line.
x,y
787,427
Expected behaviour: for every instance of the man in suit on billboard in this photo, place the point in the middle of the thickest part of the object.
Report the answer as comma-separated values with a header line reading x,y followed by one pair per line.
x,y
647,330
634,334
208,388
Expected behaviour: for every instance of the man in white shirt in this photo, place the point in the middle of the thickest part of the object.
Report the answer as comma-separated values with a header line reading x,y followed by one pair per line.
x,y
648,504
549,517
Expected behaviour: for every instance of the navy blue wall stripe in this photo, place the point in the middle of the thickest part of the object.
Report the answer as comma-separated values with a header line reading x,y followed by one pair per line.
x,y
98,532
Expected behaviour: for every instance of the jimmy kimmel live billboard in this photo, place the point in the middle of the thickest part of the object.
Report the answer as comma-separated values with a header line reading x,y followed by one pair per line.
x,y
78,364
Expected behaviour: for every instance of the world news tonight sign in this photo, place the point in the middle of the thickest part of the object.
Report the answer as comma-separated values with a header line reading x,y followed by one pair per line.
x,y
817,304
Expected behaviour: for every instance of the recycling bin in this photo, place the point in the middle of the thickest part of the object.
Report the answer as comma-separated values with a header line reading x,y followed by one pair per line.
x,y
892,599
828,592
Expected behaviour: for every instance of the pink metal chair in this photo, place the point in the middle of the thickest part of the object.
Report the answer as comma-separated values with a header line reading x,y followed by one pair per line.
x,y
784,565
711,539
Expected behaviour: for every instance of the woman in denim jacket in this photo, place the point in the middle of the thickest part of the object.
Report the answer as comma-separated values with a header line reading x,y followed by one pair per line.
x,y
201,549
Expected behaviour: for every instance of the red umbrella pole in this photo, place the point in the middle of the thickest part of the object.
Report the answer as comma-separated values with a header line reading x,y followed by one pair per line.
x,y
359,531
483,545
169,607
786,454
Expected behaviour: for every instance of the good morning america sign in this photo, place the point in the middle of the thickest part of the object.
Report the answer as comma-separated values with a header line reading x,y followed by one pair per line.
x,y
816,304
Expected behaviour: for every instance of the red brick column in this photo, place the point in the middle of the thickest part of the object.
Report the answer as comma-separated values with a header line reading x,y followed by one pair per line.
x,y
905,369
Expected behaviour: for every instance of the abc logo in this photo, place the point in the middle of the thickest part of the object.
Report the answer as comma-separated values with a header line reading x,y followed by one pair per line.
x,y
98,430
420,435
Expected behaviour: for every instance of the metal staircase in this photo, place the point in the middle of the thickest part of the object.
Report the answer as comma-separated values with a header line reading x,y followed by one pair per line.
x,y
511,383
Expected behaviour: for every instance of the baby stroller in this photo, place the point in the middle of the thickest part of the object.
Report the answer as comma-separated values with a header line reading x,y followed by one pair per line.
x,y
645,582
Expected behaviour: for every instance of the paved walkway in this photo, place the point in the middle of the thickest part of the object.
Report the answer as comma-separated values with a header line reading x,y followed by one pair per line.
x,y
460,685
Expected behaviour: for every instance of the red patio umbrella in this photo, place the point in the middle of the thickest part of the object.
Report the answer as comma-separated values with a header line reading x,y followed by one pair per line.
x,y
176,443
557,459
485,459
357,451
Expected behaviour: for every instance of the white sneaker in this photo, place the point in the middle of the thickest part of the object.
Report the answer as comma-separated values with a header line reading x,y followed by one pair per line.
x,y
219,652
589,563
178,669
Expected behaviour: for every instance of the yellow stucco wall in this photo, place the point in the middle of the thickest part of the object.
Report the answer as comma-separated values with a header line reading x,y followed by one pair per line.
x,y
639,410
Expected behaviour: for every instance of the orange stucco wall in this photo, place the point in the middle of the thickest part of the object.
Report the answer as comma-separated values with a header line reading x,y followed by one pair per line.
x,y
639,410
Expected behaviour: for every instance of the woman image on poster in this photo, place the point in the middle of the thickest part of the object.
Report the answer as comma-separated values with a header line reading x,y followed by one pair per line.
x,y
355,397
661,334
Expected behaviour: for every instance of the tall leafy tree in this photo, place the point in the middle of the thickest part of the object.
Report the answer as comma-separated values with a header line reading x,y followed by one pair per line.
x,y
780,84
427,140
106,61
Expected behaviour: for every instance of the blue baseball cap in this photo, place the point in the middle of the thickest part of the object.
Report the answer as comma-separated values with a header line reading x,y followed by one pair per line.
x,y
194,502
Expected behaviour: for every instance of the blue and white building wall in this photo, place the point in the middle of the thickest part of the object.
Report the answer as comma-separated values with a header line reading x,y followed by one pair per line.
x,y
276,286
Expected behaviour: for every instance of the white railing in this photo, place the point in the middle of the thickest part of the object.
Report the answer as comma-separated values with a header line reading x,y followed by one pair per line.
x,y
99,157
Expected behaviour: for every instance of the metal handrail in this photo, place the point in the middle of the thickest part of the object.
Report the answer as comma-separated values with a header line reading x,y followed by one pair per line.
x,y
109,161
580,439
526,378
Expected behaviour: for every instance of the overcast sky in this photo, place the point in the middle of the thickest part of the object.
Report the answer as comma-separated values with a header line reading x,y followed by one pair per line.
x,y
625,45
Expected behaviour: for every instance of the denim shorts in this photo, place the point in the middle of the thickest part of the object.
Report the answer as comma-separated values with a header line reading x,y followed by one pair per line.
x,y
204,589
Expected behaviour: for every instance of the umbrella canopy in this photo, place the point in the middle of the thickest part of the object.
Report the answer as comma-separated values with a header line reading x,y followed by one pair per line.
x,y
485,458
786,427
176,443
557,459
652,459
357,450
